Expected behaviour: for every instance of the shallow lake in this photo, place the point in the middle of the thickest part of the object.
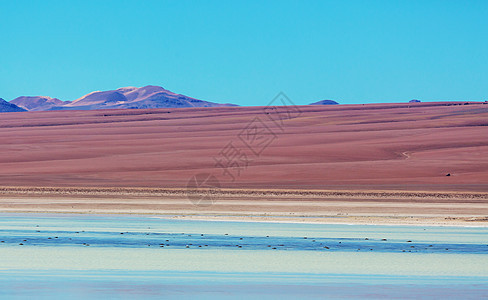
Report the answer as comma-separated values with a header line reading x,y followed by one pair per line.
x,y
121,256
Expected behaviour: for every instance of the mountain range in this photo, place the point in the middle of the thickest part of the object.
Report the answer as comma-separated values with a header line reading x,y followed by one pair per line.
x,y
149,96
127,97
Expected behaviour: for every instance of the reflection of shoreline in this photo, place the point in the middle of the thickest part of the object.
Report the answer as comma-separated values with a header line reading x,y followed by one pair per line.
x,y
259,205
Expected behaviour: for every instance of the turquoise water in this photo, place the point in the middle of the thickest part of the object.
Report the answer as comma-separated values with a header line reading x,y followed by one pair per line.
x,y
114,256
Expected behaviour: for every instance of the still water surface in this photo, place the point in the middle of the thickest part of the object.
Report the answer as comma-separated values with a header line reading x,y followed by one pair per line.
x,y
105,256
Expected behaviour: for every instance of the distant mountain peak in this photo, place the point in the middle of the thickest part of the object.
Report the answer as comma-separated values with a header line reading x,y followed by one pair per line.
x,y
36,103
149,96
126,89
9,107
324,102
99,98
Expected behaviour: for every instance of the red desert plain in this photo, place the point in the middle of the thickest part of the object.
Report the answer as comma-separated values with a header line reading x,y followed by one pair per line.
x,y
373,163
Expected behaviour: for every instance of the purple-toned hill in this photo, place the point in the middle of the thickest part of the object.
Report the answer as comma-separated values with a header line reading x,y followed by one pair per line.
x,y
9,107
36,103
324,102
132,97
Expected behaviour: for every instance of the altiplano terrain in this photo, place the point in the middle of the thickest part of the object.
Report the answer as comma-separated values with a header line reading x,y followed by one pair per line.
x,y
414,163
409,146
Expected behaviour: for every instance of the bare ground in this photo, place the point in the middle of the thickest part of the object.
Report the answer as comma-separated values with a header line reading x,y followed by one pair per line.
x,y
355,207
376,163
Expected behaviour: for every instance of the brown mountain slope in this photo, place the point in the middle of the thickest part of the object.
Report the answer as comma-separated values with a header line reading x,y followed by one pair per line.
x,y
377,146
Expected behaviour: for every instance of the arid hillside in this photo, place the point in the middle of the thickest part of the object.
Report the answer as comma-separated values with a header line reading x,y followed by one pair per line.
x,y
411,146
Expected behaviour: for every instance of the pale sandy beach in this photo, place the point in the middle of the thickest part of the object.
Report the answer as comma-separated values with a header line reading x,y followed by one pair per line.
x,y
309,206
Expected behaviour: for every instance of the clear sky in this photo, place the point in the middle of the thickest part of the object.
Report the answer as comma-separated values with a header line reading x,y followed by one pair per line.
x,y
245,52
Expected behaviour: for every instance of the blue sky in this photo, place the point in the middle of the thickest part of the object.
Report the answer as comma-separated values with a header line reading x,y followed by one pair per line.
x,y
245,52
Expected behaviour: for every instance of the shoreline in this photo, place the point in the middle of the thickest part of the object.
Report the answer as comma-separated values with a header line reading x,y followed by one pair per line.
x,y
382,221
367,207
323,220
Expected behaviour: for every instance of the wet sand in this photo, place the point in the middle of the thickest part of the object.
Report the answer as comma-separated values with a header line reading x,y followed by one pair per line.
x,y
306,206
